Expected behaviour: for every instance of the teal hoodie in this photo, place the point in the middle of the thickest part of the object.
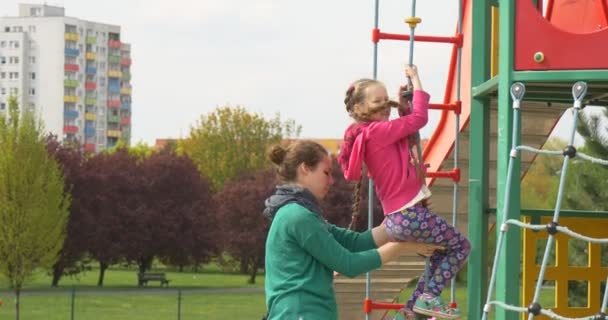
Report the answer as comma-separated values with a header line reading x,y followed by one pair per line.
x,y
302,251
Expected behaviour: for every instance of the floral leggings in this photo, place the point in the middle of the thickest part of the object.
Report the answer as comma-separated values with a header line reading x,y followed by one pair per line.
x,y
418,224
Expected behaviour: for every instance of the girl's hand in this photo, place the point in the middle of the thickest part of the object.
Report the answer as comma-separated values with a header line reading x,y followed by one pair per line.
x,y
427,250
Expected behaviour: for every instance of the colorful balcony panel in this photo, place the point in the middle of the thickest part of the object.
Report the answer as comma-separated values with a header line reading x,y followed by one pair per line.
x,y
126,76
114,44
91,70
125,61
70,129
125,120
114,103
125,91
71,83
90,85
114,74
113,133
71,67
90,116
113,118
90,101
89,131
91,40
71,114
91,55
114,59
72,52
72,36
89,147
114,89
72,99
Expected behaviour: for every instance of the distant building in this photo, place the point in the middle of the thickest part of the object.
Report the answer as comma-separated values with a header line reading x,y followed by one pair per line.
x,y
74,74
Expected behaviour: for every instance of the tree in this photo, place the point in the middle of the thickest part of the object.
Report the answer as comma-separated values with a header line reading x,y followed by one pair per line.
x,y
243,226
232,141
174,216
71,160
33,205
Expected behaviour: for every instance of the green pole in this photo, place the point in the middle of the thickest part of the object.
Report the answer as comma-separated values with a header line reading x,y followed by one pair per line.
x,y
479,150
179,304
72,302
507,277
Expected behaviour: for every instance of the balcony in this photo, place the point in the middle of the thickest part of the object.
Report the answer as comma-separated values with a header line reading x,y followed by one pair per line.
x,y
91,40
113,118
114,44
89,147
90,85
70,36
126,106
90,101
70,129
126,135
91,55
71,67
70,114
125,61
113,133
71,83
114,59
89,131
71,52
114,74
91,71
90,116
113,103
125,91
72,99
126,76
125,121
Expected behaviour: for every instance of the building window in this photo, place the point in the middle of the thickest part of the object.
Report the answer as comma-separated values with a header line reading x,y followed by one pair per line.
x,y
14,91
3,91
102,81
2,44
7,29
2,60
35,12
14,60
13,75
33,75
3,75
32,91
32,59
32,44
13,44
2,106
32,29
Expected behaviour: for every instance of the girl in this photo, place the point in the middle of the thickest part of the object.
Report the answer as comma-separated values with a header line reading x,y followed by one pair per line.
x,y
383,145
303,250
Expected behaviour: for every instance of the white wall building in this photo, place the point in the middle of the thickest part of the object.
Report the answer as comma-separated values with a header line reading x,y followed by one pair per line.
x,y
74,74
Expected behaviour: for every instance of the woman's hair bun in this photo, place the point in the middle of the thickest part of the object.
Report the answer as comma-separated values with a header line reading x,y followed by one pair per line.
x,y
277,154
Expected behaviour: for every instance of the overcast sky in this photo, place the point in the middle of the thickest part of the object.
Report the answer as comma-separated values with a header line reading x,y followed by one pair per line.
x,y
293,57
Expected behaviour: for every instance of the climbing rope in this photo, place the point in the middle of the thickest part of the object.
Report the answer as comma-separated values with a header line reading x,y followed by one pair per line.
x,y
579,91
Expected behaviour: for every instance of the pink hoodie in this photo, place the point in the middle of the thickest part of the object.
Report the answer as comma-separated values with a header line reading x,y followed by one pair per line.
x,y
384,147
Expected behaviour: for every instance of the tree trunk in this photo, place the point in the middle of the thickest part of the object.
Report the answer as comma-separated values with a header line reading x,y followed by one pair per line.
x,y
245,265
56,277
17,302
102,271
253,270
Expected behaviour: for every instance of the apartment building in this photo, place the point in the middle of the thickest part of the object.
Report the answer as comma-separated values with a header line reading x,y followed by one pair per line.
x,y
74,74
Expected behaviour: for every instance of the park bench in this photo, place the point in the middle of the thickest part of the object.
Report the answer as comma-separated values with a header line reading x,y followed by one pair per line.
x,y
143,278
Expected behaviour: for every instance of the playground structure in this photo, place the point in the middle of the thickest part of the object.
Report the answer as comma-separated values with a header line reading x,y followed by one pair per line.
x,y
547,55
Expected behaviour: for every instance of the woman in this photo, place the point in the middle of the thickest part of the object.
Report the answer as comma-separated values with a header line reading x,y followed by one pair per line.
x,y
303,249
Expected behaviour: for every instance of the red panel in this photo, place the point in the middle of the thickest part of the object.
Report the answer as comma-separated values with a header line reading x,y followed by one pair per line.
x,y
114,44
113,103
70,129
126,61
578,16
89,147
562,50
90,85
71,67
125,120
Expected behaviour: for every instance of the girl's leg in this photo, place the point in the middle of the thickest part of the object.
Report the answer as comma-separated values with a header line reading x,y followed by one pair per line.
x,y
419,224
